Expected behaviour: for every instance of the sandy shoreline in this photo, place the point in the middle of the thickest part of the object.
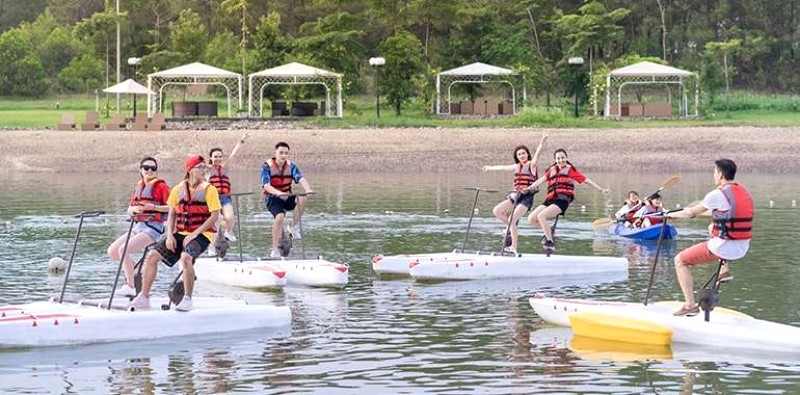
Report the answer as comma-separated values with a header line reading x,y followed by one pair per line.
x,y
428,150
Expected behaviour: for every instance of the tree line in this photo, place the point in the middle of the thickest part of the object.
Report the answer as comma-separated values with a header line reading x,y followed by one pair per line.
x,y
55,46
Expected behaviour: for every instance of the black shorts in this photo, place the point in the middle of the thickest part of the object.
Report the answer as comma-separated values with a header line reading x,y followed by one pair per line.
x,y
194,249
276,205
525,199
563,204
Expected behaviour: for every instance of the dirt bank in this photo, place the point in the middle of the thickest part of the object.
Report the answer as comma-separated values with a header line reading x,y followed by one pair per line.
x,y
412,150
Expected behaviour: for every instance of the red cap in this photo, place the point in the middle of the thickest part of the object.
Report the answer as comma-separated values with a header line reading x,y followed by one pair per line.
x,y
192,162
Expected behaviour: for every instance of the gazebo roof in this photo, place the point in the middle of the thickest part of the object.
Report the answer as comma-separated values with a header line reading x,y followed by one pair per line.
x,y
195,69
478,68
294,69
649,69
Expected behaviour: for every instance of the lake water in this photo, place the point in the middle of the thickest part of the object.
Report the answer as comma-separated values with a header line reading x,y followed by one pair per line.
x,y
380,336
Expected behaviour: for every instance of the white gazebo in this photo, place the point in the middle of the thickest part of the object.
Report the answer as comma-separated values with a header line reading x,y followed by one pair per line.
x,y
649,73
475,73
295,74
193,74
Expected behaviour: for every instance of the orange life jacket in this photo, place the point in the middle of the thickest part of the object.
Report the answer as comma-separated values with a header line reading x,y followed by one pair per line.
x,y
653,219
524,176
219,179
142,196
736,223
278,177
192,209
559,184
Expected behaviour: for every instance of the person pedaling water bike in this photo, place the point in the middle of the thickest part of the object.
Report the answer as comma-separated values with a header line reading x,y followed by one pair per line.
x,y
519,202
561,178
193,211
218,175
277,175
730,206
147,207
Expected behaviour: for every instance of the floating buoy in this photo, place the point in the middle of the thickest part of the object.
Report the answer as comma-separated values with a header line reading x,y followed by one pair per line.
x,y
583,208
678,205
56,265
446,211
476,210
794,203
771,204
352,213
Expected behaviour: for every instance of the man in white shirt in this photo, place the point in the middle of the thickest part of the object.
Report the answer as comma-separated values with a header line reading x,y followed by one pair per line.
x,y
731,207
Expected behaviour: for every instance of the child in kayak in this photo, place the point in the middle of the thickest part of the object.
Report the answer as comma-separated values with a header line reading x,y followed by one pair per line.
x,y
521,200
647,215
629,208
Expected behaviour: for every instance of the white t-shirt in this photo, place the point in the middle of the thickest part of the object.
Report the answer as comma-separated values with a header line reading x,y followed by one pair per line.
x,y
726,249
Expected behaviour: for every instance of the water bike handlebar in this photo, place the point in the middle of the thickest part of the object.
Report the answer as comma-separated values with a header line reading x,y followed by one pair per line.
x,y
93,213
480,189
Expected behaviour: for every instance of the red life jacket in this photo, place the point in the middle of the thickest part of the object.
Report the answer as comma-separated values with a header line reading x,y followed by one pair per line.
x,y
559,183
280,178
736,223
524,176
192,209
653,219
219,179
142,196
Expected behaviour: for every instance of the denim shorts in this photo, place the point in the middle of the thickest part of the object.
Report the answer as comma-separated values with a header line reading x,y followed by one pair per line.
x,y
225,200
152,229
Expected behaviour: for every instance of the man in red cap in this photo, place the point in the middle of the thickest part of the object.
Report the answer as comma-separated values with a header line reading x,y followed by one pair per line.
x,y
193,210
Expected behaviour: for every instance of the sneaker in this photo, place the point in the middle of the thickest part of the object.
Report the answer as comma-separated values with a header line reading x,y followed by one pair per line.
x,y
185,304
125,290
295,232
509,250
211,251
724,277
274,253
687,311
140,302
229,235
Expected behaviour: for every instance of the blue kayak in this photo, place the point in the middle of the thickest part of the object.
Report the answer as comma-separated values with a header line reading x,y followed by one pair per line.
x,y
648,233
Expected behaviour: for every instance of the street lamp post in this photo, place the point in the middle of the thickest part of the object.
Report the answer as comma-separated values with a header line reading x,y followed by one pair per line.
x,y
377,63
576,62
133,62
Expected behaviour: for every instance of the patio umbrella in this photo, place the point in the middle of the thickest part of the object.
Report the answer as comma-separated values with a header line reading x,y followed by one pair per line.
x,y
131,87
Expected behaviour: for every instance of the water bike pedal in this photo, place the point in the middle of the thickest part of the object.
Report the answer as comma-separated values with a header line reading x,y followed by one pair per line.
x,y
507,240
285,243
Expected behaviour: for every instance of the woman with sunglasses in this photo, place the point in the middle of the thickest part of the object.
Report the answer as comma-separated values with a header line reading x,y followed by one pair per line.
x,y
147,207
219,178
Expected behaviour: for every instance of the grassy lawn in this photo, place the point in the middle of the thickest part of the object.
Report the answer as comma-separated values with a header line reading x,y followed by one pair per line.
x,y
747,110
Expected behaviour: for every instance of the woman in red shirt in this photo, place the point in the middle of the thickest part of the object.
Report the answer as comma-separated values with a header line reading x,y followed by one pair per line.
x,y
561,179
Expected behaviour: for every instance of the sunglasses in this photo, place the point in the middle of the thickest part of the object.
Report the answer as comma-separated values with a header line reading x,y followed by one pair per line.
x,y
149,168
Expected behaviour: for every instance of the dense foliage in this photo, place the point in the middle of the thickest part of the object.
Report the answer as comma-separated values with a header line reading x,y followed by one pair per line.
x,y
54,46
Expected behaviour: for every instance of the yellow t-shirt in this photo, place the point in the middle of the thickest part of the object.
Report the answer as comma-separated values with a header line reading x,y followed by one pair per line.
x,y
212,201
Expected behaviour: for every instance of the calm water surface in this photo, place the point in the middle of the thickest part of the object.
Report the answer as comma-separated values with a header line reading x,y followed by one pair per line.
x,y
397,336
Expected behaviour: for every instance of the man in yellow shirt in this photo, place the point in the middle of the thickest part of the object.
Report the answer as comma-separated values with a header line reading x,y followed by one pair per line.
x,y
193,210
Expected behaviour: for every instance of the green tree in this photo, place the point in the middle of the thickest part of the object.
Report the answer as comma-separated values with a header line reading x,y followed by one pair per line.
x,y
83,74
333,42
403,53
235,7
593,29
725,49
23,73
221,51
188,36
271,47
12,12
57,51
